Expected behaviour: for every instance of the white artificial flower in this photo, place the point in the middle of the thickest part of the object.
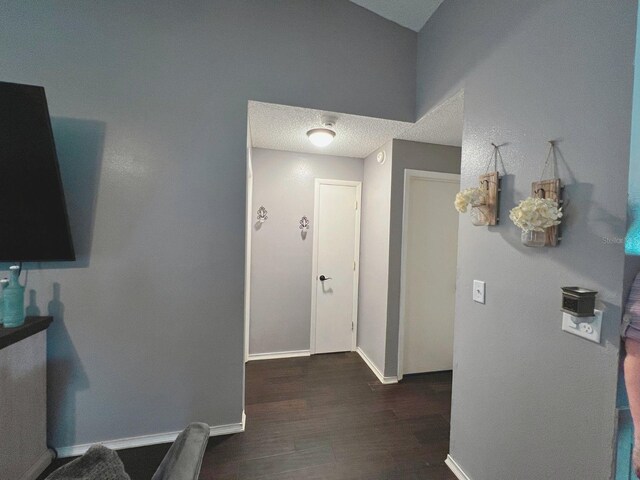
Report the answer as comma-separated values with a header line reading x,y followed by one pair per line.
x,y
470,196
536,214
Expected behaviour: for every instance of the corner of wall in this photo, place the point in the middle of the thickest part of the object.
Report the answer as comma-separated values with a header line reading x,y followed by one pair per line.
x,y
374,257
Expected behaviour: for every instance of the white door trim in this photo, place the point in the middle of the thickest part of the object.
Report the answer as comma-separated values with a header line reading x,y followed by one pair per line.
x,y
314,268
409,173
247,246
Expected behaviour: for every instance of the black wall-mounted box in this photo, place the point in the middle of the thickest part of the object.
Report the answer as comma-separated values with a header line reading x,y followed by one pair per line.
x,y
578,301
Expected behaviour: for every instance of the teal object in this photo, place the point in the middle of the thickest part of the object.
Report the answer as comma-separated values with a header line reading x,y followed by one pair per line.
x,y
3,284
624,463
625,433
624,444
632,241
13,300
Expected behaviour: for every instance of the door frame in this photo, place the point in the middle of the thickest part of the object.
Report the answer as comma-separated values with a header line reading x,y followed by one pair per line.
x,y
248,228
314,268
408,174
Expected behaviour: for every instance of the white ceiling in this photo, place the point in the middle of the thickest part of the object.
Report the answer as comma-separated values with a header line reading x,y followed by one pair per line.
x,y
411,14
442,125
282,127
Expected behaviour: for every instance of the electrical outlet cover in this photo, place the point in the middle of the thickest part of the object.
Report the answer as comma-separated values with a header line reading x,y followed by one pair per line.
x,y
478,291
585,327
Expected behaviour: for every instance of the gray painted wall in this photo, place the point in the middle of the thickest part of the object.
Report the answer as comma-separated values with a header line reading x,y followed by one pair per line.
x,y
284,182
417,156
374,256
534,71
149,101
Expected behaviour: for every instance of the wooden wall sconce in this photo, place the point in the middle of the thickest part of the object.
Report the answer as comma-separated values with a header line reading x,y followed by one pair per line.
x,y
487,212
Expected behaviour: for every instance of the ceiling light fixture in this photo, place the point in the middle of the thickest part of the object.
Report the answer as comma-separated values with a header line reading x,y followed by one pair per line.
x,y
321,137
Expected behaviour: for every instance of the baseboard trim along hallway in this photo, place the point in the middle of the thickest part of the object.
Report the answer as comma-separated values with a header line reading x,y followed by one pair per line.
x,y
145,440
384,380
455,468
276,355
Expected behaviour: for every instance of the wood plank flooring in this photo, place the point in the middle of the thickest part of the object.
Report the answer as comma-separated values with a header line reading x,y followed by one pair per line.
x,y
327,417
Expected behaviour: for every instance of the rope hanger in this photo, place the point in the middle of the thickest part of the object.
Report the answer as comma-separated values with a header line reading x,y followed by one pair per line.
x,y
551,154
494,156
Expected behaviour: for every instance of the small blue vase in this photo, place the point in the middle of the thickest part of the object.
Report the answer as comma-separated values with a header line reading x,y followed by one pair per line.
x,y
13,300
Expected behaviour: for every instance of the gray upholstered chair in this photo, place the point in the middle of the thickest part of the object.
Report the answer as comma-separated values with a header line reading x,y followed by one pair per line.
x,y
184,458
182,461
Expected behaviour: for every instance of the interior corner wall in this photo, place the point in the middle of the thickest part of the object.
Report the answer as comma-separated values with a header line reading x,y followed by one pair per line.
x,y
149,105
535,71
416,156
282,253
374,257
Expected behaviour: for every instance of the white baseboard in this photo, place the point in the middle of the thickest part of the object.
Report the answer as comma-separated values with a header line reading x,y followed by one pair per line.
x,y
456,469
275,355
144,440
39,466
384,380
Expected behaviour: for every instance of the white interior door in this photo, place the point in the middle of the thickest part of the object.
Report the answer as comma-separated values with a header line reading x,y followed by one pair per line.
x,y
335,272
430,244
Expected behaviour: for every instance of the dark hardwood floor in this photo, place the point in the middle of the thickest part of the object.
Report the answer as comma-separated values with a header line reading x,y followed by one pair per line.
x,y
326,417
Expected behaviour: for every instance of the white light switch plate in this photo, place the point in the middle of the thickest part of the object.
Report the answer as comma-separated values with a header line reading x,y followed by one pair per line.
x,y
478,291
585,327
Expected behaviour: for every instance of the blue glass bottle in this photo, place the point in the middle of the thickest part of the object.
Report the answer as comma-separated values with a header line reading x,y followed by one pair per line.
x,y
3,284
13,300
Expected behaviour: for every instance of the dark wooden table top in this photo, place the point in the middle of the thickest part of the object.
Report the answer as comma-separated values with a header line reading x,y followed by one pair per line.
x,y
31,326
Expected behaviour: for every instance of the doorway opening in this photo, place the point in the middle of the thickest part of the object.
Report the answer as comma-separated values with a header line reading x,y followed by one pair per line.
x,y
429,259
330,256
303,221
324,228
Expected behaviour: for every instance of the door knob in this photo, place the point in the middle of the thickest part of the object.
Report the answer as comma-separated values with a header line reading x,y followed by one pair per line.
x,y
323,278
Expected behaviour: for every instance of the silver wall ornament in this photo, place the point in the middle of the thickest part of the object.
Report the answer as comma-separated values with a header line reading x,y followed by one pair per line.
x,y
262,214
304,227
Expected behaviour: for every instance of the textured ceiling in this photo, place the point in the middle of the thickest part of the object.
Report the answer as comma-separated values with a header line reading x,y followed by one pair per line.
x,y
280,127
411,14
442,125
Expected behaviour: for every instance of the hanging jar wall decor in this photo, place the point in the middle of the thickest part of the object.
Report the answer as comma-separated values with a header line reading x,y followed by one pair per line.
x,y
484,200
539,215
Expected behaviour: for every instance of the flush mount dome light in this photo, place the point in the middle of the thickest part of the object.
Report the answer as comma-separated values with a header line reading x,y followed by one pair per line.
x,y
321,137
